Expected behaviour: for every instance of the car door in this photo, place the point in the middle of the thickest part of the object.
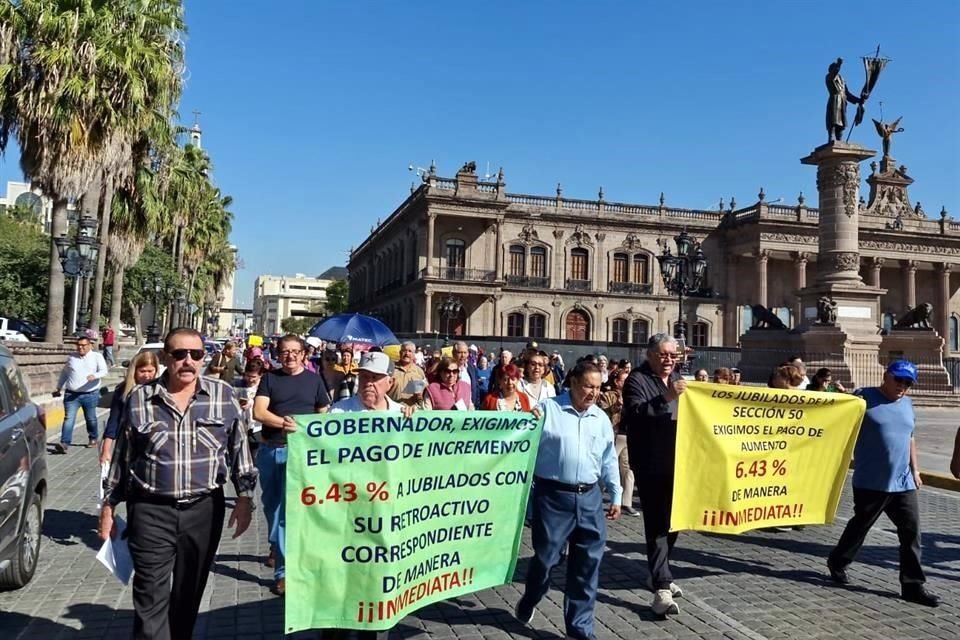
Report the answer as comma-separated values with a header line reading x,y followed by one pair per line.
x,y
11,441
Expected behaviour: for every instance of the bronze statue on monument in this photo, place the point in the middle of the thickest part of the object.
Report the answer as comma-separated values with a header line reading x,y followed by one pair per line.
x,y
838,95
886,131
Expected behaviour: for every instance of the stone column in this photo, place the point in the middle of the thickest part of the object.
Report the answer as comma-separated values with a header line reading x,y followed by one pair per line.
x,y
942,308
498,250
800,282
427,310
431,219
731,321
838,184
876,264
909,270
762,257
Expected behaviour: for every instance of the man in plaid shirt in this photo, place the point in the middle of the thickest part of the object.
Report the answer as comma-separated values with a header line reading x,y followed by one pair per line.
x,y
180,437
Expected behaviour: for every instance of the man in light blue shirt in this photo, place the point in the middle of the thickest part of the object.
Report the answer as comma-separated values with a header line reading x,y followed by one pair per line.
x,y
576,453
885,480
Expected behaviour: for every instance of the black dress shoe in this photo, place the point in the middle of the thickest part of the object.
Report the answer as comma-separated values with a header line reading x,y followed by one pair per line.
x,y
837,574
916,594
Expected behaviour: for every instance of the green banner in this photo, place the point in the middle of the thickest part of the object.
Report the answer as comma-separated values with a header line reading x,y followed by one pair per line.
x,y
387,514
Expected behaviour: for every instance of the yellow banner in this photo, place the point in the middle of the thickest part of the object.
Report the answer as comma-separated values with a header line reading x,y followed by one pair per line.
x,y
752,457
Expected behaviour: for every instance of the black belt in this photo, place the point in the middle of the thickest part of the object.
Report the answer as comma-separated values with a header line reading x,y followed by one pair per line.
x,y
562,486
176,503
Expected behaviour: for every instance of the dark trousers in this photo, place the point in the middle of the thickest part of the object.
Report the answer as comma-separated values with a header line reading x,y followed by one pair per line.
x,y
903,509
656,497
561,518
166,539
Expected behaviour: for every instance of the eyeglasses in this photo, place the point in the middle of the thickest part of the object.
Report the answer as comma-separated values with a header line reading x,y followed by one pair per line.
x,y
451,370
290,352
907,382
181,354
668,356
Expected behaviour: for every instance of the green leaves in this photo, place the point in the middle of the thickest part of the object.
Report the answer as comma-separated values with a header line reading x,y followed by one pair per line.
x,y
24,255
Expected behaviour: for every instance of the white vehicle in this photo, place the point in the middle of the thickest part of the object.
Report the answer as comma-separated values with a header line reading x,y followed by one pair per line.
x,y
10,331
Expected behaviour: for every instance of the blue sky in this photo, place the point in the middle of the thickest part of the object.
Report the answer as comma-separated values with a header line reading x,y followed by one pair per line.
x,y
312,111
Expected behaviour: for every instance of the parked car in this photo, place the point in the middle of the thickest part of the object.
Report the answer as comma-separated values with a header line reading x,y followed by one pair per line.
x,y
23,476
10,327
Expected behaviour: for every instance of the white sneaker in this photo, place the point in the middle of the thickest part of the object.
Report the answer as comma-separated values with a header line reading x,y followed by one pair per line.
x,y
663,603
675,589
525,620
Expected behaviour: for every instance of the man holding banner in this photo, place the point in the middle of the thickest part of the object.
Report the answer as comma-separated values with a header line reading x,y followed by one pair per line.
x,y
576,451
885,480
650,412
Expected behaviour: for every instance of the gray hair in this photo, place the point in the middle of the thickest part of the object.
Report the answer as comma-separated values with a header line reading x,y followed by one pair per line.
x,y
404,345
460,343
658,340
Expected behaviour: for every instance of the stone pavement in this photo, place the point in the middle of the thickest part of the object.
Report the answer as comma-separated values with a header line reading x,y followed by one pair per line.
x,y
936,430
760,585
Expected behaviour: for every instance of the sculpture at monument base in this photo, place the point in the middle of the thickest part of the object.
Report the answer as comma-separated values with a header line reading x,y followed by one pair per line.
x,y
916,318
826,311
763,318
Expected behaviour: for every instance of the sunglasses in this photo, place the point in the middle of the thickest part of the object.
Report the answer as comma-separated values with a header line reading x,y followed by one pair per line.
x,y
907,382
181,354
451,370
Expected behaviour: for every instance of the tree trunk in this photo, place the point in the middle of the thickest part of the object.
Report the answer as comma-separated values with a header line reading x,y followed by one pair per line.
x,y
58,227
137,324
116,299
106,201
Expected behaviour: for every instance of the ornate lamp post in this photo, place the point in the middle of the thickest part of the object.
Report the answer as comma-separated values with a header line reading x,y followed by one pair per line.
x,y
79,259
682,273
159,293
449,308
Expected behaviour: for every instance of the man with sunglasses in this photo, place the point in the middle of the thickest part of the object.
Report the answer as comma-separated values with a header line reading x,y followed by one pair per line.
x,y
885,480
180,434
650,397
289,391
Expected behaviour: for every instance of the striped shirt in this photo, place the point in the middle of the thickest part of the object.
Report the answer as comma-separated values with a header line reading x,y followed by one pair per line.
x,y
164,453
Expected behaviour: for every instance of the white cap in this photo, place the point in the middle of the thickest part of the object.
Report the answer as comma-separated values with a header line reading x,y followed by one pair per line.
x,y
375,362
314,342
473,347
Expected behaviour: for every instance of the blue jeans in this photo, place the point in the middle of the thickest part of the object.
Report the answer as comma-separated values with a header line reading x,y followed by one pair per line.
x,y
272,465
71,402
562,517
108,354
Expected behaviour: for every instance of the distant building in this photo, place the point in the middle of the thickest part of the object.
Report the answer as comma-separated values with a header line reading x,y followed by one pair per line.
x,y
549,266
20,194
276,298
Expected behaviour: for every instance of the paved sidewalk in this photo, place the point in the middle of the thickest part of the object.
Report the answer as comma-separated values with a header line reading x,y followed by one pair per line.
x,y
755,586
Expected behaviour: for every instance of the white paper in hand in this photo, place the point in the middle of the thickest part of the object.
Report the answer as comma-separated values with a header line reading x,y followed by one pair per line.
x,y
115,554
104,472
460,405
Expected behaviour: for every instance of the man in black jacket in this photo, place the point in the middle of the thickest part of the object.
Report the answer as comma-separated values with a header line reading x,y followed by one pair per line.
x,y
650,398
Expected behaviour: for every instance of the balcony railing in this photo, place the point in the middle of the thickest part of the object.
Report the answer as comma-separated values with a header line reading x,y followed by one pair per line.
x,y
458,274
578,285
533,282
633,288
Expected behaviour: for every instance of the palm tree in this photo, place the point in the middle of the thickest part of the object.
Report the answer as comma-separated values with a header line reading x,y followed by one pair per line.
x,y
142,67
49,101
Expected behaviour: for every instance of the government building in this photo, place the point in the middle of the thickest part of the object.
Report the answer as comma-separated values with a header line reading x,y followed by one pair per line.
x,y
462,256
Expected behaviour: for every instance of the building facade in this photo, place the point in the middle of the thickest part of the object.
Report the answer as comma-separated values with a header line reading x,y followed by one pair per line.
x,y
276,298
21,194
462,256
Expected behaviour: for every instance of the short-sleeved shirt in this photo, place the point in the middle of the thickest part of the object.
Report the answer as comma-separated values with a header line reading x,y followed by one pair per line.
x,y
291,395
881,458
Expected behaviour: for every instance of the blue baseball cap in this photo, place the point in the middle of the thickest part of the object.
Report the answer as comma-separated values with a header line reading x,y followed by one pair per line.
x,y
903,369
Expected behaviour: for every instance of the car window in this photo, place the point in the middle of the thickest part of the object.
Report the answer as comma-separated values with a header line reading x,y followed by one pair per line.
x,y
5,408
13,382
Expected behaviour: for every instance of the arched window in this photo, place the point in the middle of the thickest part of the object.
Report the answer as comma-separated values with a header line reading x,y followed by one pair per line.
x,y
515,325
456,253
620,271
641,269
700,337
641,332
538,262
579,261
578,325
518,260
537,323
618,330
954,333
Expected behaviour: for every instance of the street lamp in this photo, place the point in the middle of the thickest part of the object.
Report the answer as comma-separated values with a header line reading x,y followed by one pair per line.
x,y
159,291
449,308
682,273
78,258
